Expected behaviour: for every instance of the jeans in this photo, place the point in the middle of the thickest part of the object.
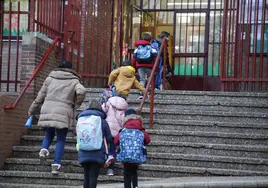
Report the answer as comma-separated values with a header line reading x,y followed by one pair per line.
x,y
142,72
91,173
130,175
158,76
112,151
61,138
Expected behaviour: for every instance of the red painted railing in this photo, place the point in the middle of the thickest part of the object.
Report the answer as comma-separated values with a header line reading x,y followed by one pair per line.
x,y
56,41
151,81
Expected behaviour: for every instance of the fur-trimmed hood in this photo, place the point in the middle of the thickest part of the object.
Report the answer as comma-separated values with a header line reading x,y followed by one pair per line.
x,y
65,73
133,121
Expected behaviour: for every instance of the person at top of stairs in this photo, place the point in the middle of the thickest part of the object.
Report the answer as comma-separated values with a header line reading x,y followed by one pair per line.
x,y
115,109
124,79
61,92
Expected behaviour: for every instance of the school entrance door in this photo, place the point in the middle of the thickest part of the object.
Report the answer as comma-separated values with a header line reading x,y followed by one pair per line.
x,y
192,69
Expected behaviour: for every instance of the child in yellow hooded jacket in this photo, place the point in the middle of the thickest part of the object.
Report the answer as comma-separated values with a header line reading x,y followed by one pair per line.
x,y
124,79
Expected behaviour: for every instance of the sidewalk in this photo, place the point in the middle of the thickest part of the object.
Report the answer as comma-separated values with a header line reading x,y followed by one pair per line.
x,y
201,182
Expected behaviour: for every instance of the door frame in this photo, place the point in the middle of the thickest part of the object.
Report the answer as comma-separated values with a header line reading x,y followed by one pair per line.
x,y
206,42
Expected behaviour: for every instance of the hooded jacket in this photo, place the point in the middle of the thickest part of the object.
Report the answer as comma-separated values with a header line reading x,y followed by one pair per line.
x,y
124,79
134,122
97,155
134,61
115,110
60,94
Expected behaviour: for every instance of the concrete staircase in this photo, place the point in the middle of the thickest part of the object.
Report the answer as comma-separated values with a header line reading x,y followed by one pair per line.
x,y
194,134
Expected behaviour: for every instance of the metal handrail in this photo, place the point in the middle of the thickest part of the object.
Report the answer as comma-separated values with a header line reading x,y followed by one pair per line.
x,y
152,80
56,40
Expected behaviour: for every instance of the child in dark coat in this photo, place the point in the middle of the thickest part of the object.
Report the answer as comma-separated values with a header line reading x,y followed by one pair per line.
x,y
92,161
132,121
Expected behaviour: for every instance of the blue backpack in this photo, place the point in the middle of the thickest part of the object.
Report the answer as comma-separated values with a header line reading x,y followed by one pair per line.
x,y
131,146
105,94
156,45
144,54
89,133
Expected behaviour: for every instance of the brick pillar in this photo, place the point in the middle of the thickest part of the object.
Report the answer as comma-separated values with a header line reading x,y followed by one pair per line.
x,y
34,48
28,61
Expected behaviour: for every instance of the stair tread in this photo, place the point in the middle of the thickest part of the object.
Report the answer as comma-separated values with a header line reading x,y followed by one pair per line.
x,y
19,185
158,155
196,122
180,133
196,93
77,176
169,143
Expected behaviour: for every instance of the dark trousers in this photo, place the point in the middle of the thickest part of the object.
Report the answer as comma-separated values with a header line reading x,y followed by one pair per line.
x,y
130,175
91,173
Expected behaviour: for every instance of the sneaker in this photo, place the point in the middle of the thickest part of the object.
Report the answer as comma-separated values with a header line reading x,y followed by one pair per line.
x,y
43,154
110,172
109,161
55,169
140,97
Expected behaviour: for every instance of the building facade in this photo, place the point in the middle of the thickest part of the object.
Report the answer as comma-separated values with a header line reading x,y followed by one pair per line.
x,y
214,44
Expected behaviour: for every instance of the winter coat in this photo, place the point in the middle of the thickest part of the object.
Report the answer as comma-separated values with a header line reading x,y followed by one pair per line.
x,y
134,61
134,122
124,79
60,94
97,155
115,110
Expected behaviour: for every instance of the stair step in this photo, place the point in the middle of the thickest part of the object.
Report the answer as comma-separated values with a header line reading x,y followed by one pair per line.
x,y
198,105
228,116
249,151
209,126
208,161
46,178
19,185
183,136
189,125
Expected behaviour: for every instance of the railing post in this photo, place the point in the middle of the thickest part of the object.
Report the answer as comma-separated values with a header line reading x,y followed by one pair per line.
x,y
66,14
164,64
152,102
32,15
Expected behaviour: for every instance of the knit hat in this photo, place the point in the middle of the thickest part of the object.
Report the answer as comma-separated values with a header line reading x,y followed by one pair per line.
x,y
65,64
127,63
130,111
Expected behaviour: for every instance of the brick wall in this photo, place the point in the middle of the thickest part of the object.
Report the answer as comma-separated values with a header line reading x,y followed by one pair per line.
x,y
11,125
34,48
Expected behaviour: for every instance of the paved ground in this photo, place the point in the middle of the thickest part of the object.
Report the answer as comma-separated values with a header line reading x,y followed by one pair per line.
x,y
201,182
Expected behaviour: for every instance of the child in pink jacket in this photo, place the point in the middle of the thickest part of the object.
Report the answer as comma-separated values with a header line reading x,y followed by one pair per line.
x,y
115,109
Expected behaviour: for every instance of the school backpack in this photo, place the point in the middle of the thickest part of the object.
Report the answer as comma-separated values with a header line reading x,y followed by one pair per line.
x,y
105,94
131,146
144,54
156,45
89,133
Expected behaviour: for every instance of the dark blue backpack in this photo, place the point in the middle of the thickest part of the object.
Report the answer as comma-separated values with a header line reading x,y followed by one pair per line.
x,y
144,54
131,146
156,45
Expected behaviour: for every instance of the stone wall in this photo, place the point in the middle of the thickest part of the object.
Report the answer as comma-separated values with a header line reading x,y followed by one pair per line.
x,y
11,125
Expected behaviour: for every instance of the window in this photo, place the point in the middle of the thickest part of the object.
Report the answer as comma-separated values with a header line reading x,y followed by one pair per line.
x,y
15,24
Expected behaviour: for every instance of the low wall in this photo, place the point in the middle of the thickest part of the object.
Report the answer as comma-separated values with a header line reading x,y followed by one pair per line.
x,y
11,125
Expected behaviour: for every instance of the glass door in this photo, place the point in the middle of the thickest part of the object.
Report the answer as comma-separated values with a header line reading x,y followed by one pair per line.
x,y
190,43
